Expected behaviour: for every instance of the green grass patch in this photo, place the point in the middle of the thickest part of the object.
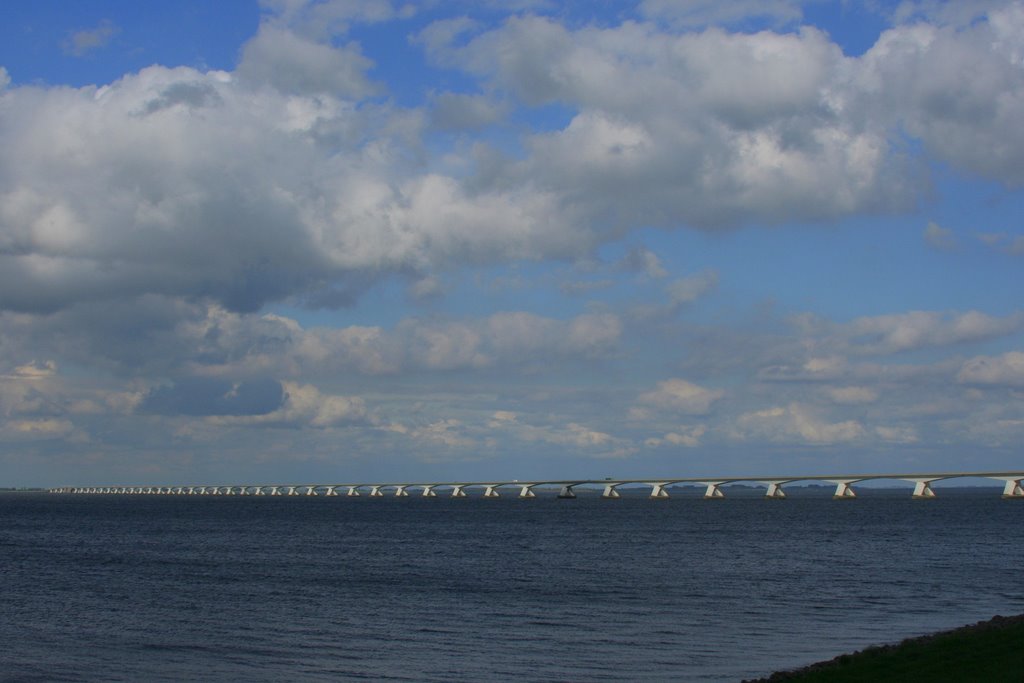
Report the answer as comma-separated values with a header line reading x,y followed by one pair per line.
x,y
990,651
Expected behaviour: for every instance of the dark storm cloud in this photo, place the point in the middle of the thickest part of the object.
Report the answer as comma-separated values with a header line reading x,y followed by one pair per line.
x,y
202,396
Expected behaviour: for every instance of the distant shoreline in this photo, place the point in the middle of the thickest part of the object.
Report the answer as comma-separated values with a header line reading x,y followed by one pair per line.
x,y
991,650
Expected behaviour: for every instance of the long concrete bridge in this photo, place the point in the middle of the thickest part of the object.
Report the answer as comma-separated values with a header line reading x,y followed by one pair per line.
x,y
922,482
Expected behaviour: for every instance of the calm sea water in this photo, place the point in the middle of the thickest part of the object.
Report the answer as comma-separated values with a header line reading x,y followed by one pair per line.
x,y
165,588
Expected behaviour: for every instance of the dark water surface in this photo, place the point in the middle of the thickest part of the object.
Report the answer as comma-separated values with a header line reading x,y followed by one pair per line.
x,y
170,588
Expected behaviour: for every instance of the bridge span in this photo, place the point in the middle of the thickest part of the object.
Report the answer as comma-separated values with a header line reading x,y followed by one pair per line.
x,y
922,483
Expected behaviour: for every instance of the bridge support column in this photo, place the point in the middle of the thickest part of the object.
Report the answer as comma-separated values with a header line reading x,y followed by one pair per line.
x,y
457,492
775,491
400,491
331,491
353,491
527,492
658,491
922,489
375,492
610,491
567,493
428,492
292,491
491,491
258,491
275,490
844,489
311,491
713,490
1013,489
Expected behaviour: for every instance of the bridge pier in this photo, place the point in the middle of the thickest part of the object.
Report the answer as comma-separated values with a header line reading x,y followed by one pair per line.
x,y
922,489
713,490
844,490
567,493
428,491
353,491
775,491
610,491
457,491
375,492
1013,488
311,491
658,491
491,491
526,491
400,491
291,491
331,491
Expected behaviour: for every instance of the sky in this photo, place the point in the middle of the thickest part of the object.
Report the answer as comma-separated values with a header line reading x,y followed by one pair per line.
x,y
355,241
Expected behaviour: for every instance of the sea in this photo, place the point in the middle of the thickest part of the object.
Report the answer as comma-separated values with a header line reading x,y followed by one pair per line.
x,y
233,588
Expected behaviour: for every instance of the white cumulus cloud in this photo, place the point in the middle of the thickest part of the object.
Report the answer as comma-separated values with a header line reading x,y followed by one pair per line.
x,y
679,395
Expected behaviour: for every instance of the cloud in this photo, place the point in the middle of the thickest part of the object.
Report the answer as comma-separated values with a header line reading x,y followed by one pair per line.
x,y
34,370
900,435
200,396
324,19
571,435
304,405
730,126
679,395
1008,244
906,332
957,89
688,437
459,112
795,423
939,238
36,429
852,395
688,289
642,260
294,64
426,288
814,369
152,184
1003,370
81,43
226,344
922,329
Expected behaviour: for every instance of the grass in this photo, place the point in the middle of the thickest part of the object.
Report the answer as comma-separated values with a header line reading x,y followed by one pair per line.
x,y
990,651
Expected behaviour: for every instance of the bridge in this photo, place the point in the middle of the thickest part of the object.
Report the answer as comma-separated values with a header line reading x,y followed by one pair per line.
x,y
922,483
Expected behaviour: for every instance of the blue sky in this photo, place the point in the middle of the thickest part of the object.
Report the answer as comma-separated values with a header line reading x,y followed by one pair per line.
x,y
344,241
